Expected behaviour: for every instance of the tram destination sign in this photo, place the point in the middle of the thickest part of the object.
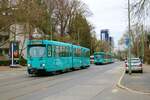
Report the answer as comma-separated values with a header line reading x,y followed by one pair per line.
x,y
37,42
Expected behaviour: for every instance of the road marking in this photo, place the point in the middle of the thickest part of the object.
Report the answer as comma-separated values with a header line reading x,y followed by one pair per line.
x,y
129,89
136,77
114,91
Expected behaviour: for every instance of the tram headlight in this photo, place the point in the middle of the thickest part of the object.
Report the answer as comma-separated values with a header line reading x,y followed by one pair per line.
x,y
29,65
43,65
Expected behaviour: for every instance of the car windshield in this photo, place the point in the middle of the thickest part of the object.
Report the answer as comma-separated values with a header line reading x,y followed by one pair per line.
x,y
37,51
134,60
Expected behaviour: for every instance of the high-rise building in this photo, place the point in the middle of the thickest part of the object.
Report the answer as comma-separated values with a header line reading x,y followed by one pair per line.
x,y
104,35
111,41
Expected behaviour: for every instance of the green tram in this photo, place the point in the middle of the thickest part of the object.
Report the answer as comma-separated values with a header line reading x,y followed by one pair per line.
x,y
51,56
103,58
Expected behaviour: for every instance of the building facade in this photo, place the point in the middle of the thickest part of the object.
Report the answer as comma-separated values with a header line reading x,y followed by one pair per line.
x,y
4,45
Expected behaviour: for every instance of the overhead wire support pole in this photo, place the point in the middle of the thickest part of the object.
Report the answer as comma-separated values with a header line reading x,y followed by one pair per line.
x,y
51,28
49,24
51,33
129,29
78,37
143,36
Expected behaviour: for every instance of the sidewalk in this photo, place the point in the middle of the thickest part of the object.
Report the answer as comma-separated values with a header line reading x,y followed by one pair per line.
x,y
8,68
137,81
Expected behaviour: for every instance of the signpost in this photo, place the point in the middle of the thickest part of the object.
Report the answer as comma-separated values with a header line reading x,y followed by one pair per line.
x,y
127,40
142,45
129,29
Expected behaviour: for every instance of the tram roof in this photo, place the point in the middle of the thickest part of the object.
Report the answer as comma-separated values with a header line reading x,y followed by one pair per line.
x,y
103,53
54,42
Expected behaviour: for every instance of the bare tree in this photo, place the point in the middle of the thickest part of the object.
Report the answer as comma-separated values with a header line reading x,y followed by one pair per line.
x,y
65,11
140,10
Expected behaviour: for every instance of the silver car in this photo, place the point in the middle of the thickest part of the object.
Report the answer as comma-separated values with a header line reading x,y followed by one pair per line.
x,y
136,65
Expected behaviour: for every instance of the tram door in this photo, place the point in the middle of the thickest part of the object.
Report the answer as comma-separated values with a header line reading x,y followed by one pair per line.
x,y
50,54
57,60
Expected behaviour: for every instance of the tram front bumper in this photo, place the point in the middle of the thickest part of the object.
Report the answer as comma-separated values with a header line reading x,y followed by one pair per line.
x,y
35,71
32,71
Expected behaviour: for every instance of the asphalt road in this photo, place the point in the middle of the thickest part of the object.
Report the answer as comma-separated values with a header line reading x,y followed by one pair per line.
x,y
95,83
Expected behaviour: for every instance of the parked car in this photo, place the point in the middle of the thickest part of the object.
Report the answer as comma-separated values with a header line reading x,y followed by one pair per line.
x,y
136,65
92,59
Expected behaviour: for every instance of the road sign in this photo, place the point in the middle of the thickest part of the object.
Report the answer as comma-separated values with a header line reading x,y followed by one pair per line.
x,y
14,53
127,41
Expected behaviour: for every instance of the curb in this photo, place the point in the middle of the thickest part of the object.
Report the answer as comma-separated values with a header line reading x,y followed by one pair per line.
x,y
119,85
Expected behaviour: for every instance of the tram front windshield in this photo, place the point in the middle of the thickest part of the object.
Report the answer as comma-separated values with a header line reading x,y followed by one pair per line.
x,y
37,51
99,56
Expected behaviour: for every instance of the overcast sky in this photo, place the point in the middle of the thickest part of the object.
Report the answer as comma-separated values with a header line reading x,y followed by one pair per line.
x,y
108,14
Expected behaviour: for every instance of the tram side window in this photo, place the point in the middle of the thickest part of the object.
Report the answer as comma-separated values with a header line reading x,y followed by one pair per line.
x,y
60,51
71,51
74,52
105,57
87,53
79,52
49,51
67,51
63,51
53,51
57,51
109,57
84,53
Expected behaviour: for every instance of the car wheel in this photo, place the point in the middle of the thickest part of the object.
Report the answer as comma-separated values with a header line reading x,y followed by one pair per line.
x,y
126,71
